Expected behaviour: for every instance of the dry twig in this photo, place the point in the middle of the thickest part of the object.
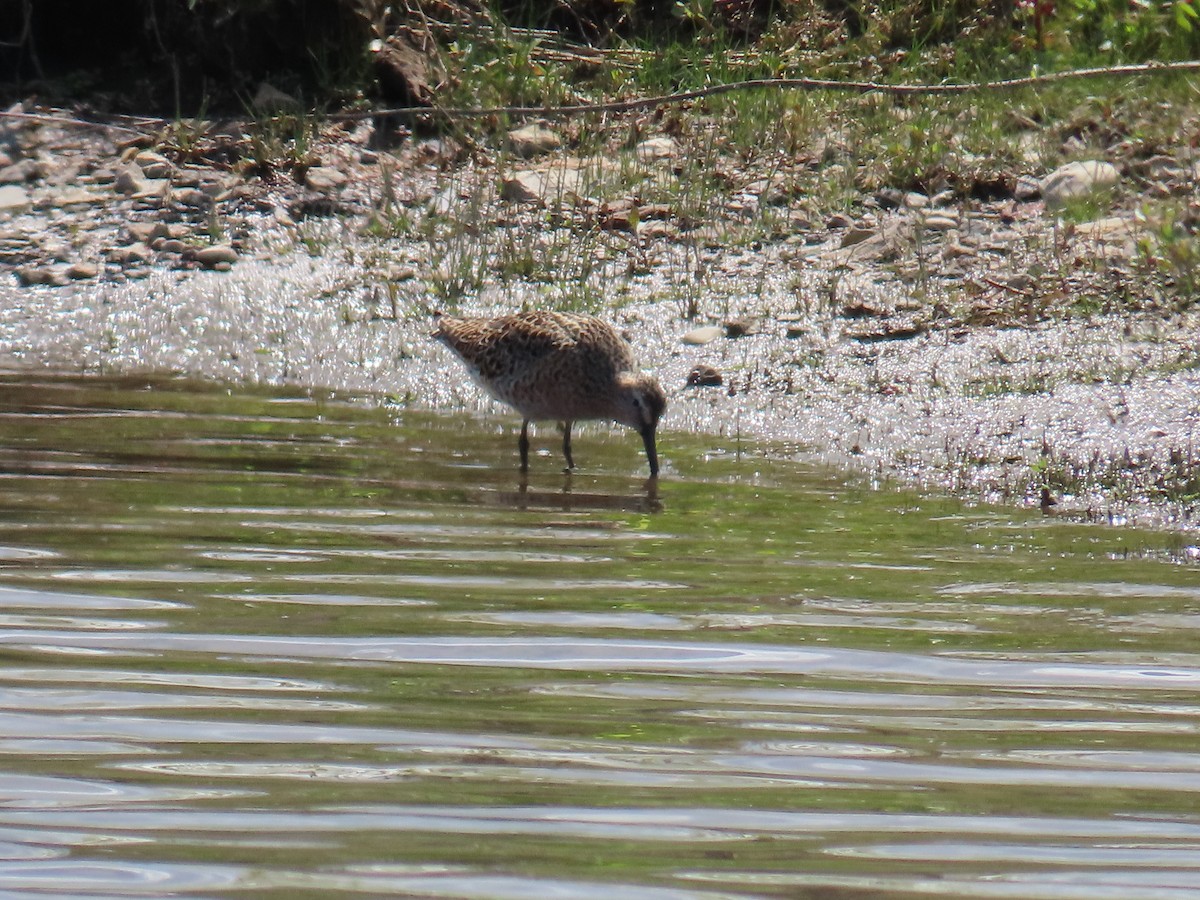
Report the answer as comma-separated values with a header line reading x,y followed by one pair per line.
x,y
808,84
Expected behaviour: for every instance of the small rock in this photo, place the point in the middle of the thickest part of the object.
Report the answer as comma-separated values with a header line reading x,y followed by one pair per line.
x,y
324,178
195,198
215,186
153,165
957,250
839,220
704,376
1018,281
216,255
130,179
795,331
939,222
524,187
1028,187
65,173
1078,179
857,236
617,216
187,176
798,221
894,198
655,211
146,232
703,335
447,200
774,191
82,270
316,206
155,192
863,309
13,198
736,328
33,275
1108,228
283,217
1112,237
56,250
1163,168
132,255
657,229
886,331
709,236
656,148
553,185
76,197
25,170
533,140
1073,145
170,245
889,198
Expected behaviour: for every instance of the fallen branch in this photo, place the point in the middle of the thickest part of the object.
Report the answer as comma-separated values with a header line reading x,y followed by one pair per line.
x,y
617,106
858,87
54,119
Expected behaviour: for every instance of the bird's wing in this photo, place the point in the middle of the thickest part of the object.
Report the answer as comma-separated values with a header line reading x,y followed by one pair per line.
x,y
497,348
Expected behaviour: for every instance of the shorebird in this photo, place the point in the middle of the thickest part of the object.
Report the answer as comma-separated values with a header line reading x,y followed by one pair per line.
x,y
561,366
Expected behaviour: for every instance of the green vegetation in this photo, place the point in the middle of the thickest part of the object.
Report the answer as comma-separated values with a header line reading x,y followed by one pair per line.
x,y
750,167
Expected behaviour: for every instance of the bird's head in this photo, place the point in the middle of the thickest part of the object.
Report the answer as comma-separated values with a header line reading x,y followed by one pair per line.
x,y
640,403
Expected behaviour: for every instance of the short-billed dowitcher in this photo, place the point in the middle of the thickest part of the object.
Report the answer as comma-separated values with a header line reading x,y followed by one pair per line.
x,y
561,366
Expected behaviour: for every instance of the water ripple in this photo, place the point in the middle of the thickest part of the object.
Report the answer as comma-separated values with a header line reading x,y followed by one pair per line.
x,y
593,654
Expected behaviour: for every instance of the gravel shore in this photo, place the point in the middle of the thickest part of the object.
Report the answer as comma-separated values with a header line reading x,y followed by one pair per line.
x,y
899,343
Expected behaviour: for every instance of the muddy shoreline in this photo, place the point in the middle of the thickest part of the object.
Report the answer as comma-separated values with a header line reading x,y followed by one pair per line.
x,y
846,342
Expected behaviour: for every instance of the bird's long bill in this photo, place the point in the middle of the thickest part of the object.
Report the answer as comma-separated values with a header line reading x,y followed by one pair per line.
x,y
651,450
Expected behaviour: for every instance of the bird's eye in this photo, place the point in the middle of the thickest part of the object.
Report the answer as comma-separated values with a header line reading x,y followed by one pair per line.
x,y
637,402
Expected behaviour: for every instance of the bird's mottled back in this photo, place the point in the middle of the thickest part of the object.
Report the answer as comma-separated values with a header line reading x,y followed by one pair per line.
x,y
546,365
494,346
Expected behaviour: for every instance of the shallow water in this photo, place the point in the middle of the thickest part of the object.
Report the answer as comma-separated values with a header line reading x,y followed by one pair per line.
x,y
260,645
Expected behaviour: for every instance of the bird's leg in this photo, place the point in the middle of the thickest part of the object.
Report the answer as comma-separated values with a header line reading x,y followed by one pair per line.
x,y
567,444
523,445
651,449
